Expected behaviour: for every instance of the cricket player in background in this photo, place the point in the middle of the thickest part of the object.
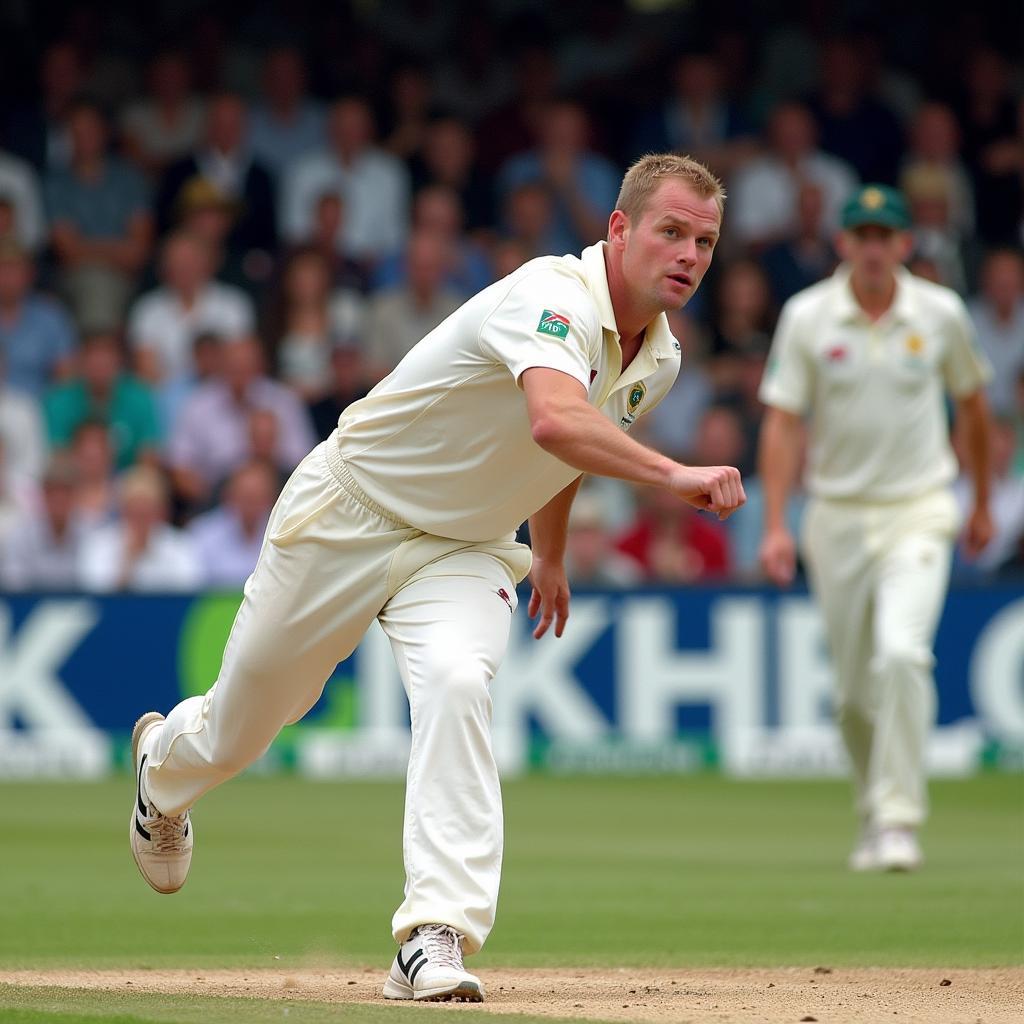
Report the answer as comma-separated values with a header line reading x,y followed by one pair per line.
x,y
869,354
407,514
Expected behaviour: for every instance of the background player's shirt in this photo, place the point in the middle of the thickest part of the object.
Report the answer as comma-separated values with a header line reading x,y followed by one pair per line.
x,y
875,391
444,441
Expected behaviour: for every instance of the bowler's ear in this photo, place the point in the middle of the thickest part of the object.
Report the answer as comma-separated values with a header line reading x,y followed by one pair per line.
x,y
618,229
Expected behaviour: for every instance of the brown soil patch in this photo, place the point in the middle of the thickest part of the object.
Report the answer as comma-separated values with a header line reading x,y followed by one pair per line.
x,y
716,995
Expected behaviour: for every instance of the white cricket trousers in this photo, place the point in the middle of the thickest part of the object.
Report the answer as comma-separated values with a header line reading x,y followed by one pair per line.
x,y
332,561
880,572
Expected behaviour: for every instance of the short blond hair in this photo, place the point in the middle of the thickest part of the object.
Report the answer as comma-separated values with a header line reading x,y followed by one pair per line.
x,y
644,177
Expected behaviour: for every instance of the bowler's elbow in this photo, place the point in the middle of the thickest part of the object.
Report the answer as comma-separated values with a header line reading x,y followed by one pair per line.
x,y
547,428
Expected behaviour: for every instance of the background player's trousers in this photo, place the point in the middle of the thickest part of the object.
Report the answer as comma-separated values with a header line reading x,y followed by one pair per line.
x,y
332,561
880,573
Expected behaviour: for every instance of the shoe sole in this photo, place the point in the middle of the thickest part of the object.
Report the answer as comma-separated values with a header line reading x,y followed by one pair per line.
x,y
466,992
142,726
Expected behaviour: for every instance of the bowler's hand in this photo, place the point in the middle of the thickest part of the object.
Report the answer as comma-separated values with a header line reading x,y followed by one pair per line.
x,y
978,532
714,488
778,556
550,596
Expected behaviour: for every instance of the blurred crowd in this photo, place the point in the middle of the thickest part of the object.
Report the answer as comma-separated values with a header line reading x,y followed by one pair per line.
x,y
213,241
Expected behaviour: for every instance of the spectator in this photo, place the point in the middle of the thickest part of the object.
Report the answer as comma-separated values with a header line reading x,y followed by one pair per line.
x,y
164,322
18,498
211,436
437,211
671,543
286,124
103,391
590,556
347,384
807,256
205,365
39,133
507,256
19,186
42,550
698,118
327,239
934,142
852,124
100,222
529,220
373,186
993,146
448,159
228,538
141,551
264,432
998,316
601,50
672,423
583,185
1006,501
22,433
930,190
312,315
408,120
92,454
205,213
763,204
400,317
473,78
37,338
166,125
223,159
744,318
512,128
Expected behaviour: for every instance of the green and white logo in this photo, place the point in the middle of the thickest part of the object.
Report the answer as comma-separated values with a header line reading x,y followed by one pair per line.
x,y
553,323
636,396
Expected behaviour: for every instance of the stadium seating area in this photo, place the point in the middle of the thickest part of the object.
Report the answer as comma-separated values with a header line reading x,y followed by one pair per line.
x,y
219,227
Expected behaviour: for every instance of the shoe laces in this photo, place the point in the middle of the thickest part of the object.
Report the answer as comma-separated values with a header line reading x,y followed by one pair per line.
x,y
443,944
168,833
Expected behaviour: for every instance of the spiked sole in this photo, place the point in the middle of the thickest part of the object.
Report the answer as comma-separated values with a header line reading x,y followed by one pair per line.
x,y
466,992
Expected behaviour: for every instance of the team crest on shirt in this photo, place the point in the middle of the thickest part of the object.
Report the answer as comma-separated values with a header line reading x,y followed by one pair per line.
x,y
554,324
915,345
636,396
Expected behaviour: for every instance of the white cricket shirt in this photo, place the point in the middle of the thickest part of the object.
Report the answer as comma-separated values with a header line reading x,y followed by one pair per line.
x,y
875,392
444,441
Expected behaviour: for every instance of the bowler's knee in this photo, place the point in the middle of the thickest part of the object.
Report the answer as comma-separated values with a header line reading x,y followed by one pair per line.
x,y
903,661
456,685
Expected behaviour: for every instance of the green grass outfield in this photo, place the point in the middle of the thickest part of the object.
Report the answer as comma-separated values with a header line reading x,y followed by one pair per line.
x,y
683,871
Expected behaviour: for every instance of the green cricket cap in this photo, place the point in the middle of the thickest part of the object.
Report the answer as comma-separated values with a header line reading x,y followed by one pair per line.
x,y
876,204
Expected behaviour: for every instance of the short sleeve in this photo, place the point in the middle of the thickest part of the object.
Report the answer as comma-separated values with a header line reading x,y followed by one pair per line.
x,y
965,368
787,377
547,321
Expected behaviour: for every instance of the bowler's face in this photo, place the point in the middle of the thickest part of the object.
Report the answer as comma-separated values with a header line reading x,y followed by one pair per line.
x,y
669,247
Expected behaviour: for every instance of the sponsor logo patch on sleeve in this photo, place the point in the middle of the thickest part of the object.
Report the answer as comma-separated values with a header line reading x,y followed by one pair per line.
x,y
553,323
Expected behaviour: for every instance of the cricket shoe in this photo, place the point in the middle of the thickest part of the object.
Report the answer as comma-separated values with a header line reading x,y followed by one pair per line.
x,y
898,850
865,854
429,967
161,843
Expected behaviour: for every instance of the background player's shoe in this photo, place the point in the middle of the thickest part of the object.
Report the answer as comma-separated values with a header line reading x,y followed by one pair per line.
x,y
429,966
161,844
898,850
865,854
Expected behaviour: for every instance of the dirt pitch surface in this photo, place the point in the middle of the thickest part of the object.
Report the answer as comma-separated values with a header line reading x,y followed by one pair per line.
x,y
704,995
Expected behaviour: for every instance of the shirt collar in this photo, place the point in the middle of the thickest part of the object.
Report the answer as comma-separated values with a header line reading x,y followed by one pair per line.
x,y
903,307
658,336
